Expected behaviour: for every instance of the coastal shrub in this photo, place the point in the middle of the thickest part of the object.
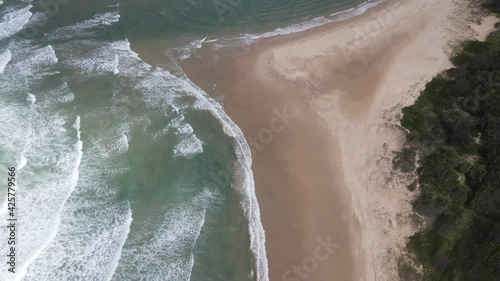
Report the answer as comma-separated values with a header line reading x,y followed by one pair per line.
x,y
493,5
405,160
455,125
407,270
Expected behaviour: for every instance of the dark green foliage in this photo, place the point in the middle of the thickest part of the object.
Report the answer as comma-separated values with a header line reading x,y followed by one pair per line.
x,y
455,123
407,271
405,160
493,5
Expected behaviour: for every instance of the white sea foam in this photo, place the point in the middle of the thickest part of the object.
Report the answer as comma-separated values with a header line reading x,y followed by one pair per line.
x,y
36,184
63,231
197,235
188,147
16,129
13,140
118,255
88,241
171,241
78,136
155,85
30,63
122,144
40,62
22,162
86,29
92,59
360,9
115,65
115,143
14,20
31,98
128,62
15,132
93,227
5,57
178,54
98,61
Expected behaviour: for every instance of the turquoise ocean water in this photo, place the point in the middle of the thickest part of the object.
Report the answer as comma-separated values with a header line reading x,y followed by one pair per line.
x,y
128,171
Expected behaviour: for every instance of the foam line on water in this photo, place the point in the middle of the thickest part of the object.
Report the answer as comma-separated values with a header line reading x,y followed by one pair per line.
x,y
5,58
14,136
188,146
92,229
98,58
85,29
248,38
197,235
244,178
178,54
88,240
4,210
52,145
164,250
31,98
21,163
22,158
73,182
127,224
82,242
115,64
14,20
28,64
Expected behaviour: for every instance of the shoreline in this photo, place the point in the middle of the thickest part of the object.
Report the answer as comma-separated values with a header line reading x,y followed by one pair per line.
x,y
344,125
294,29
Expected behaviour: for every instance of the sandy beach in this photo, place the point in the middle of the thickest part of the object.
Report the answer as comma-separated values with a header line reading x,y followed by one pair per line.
x,y
320,110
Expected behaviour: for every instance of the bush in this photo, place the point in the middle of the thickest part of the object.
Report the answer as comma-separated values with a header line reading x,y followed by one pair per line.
x,y
405,160
456,125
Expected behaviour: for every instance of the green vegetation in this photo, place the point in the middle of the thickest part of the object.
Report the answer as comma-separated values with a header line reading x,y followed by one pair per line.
x,y
455,124
493,5
405,160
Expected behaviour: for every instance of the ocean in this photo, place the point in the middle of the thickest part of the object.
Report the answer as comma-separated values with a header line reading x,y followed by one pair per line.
x,y
127,170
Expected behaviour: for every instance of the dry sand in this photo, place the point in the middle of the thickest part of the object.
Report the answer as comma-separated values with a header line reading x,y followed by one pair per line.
x,y
325,173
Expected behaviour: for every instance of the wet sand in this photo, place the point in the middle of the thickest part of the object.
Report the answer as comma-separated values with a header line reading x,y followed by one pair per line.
x,y
298,176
